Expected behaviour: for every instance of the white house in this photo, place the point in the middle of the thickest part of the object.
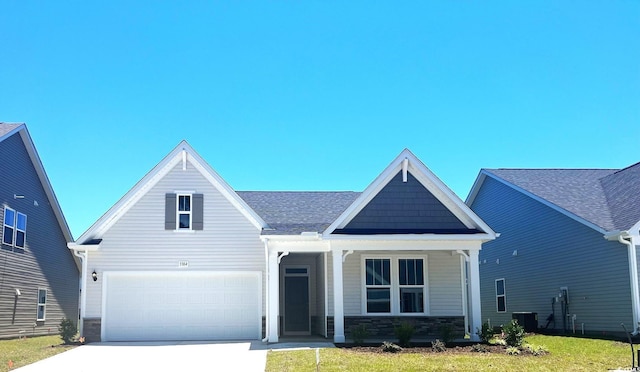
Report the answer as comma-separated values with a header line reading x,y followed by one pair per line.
x,y
182,256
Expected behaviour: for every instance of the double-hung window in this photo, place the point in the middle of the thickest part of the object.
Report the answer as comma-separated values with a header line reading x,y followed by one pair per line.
x,y
42,304
9,226
184,212
411,281
501,296
395,285
378,285
21,229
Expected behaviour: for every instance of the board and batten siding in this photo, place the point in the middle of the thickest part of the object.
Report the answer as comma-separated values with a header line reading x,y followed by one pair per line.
x,y
138,241
443,276
45,262
553,251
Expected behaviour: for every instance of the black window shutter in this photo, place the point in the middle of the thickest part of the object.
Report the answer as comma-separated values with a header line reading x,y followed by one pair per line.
x,y
170,211
197,211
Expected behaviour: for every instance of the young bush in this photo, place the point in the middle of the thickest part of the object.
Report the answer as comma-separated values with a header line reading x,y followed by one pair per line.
x,y
480,348
446,333
536,350
511,350
513,333
438,346
404,332
390,347
67,330
359,333
500,342
486,333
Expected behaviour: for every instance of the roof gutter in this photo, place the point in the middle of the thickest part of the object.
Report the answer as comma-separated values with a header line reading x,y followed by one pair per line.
x,y
622,237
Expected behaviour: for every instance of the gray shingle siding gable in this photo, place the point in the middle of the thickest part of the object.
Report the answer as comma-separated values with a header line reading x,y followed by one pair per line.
x,y
45,263
405,206
553,250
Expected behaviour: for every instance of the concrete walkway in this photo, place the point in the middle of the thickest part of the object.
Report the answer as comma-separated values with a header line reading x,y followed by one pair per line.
x,y
165,356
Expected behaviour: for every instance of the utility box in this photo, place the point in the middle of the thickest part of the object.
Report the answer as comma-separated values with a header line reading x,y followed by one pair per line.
x,y
529,321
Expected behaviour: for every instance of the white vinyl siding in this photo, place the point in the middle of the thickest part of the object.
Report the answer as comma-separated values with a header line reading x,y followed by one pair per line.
x,y
138,241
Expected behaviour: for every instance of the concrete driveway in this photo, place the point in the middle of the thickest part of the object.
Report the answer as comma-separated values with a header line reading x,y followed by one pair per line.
x,y
157,356
244,356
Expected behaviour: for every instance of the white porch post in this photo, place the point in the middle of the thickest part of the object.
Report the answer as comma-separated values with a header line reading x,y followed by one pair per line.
x,y
474,294
338,298
274,296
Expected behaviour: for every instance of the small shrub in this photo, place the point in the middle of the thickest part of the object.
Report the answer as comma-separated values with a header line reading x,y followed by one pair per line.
x,y
513,333
404,332
480,348
438,346
359,333
536,350
499,342
446,333
390,347
511,350
67,330
486,333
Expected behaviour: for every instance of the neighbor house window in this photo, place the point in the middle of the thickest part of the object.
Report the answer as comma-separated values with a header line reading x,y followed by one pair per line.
x,y
395,285
184,212
21,229
42,304
501,297
378,285
9,223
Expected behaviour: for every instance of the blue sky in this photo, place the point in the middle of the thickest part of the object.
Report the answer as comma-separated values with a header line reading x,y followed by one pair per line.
x,y
317,95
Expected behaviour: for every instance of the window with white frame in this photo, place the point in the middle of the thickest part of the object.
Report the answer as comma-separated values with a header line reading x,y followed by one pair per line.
x,y
184,212
9,226
21,229
378,285
42,304
395,285
501,296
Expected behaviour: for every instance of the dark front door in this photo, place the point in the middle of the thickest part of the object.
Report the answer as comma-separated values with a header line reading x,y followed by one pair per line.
x,y
296,305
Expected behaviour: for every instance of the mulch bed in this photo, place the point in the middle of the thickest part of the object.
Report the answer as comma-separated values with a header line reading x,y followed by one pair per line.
x,y
426,350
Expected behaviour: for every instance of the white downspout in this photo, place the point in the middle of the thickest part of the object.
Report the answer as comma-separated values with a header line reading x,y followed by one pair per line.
x,y
266,300
633,274
83,294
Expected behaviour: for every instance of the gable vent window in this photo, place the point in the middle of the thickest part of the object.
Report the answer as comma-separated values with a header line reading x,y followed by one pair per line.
x,y
183,212
14,232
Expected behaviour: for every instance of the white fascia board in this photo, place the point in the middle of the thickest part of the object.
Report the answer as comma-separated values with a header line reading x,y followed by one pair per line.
x,y
428,179
383,245
540,200
131,197
83,247
290,238
226,190
298,246
167,164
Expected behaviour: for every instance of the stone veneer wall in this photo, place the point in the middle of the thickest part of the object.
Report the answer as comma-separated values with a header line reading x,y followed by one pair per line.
x,y
378,327
92,329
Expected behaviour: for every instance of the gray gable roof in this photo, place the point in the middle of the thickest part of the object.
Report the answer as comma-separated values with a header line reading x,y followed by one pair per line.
x,y
607,198
294,212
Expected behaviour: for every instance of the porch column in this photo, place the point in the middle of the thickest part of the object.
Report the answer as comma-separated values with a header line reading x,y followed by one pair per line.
x,y
474,294
338,299
273,296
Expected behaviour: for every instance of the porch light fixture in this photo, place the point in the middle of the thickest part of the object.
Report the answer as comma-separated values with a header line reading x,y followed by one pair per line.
x,y
94,275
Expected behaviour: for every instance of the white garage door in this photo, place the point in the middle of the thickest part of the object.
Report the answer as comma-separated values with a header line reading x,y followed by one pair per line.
x,y
168,306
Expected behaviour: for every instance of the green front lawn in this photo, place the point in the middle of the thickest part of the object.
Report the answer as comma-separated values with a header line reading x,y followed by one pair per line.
x,y
26,351
565,354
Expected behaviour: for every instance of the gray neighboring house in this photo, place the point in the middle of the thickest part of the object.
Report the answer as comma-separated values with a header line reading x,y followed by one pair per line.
x,y
568,247
39,276
183,256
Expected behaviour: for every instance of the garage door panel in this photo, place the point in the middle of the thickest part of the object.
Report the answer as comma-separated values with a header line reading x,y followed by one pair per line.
x,y
182,306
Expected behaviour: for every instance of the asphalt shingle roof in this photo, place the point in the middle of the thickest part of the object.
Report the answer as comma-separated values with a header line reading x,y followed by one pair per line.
x,y
294,212
608,198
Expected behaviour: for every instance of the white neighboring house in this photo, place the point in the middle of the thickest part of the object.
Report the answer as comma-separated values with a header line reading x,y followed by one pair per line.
x,y
182,256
